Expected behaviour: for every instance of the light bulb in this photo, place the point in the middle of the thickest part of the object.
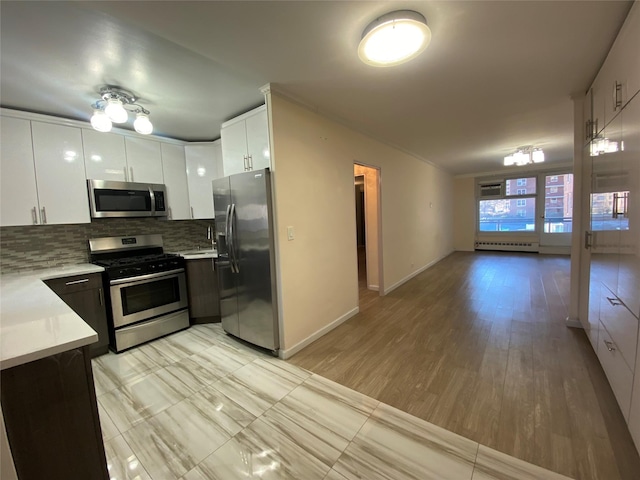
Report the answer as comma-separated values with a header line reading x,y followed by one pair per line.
x,y
142,124
116,111
394,39
537,156
100,121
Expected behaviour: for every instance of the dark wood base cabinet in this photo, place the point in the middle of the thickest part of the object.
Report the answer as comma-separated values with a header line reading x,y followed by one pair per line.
x,y
85,295
202,285
51,416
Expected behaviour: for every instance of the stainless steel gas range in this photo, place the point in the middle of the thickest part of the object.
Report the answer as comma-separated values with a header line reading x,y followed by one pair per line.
x,y
147,289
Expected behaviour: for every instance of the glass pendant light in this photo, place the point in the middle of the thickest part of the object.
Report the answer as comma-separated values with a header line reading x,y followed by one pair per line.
x,y
101,121
116,111
142,124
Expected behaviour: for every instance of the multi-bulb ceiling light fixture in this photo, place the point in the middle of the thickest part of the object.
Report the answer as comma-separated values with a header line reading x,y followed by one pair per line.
x,y
114,107
524,156
394,38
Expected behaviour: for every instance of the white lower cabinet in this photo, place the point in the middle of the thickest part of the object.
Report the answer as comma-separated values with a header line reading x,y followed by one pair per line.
x,y
203,166
174,169
618,372
18,194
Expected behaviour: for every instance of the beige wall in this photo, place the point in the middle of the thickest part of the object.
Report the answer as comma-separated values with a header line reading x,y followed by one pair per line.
x,y
464,214
313,160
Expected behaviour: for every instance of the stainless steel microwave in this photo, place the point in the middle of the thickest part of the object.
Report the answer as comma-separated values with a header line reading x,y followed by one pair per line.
x,y
126,199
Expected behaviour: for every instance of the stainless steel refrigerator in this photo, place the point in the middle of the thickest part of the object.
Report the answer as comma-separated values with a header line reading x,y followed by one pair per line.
x,y
246,261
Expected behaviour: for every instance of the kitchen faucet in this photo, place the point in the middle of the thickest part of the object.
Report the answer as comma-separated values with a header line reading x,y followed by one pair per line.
x,y
211,237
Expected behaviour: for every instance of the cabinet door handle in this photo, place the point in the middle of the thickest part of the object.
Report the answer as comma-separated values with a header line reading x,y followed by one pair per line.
x,y
610,345
34,215
192,215
245,159
101,296
617,95
616,302
250,162
43,215
126,174
587,239
76,282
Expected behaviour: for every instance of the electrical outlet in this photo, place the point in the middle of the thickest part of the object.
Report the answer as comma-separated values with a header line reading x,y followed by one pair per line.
x,y
290,233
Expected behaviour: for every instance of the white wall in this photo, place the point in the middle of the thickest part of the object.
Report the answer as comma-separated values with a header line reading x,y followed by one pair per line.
x,y
464,214
312,161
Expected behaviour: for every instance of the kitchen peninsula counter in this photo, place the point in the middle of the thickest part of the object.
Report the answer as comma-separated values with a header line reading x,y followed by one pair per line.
x,y
34,322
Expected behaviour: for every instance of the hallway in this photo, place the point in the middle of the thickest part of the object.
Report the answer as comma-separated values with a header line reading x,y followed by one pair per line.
x,y
477,345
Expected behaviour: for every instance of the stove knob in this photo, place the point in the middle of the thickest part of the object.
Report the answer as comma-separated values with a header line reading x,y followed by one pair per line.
x,y
152,267
162,265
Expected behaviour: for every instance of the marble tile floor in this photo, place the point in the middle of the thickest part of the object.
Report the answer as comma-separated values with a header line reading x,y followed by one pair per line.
x,y
198,405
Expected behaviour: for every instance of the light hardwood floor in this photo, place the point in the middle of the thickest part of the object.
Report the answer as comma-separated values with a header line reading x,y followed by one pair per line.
x,y
477,344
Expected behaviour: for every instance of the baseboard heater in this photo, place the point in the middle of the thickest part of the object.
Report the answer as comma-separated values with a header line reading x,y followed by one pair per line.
x,y
509,246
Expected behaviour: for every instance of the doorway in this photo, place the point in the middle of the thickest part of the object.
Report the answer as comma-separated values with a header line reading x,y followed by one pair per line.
x,y
557,210
368,230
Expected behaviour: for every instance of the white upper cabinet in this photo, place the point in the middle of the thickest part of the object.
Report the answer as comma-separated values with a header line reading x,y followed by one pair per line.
x,y
258,140
203,166
234,148
144,160
245,142
619,78
174,169
104,155
18,195
60,174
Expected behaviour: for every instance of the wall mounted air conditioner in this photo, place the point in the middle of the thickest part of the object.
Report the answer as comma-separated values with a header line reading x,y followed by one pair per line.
x,y
491,190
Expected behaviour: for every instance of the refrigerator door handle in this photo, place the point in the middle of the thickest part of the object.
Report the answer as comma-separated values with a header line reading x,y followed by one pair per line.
x,y
227,234
231,222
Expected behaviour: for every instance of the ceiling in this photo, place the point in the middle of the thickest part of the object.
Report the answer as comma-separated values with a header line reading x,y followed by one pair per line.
x,y
497,74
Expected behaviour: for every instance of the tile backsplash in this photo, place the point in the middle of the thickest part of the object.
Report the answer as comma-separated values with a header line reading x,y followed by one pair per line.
x,y
44,246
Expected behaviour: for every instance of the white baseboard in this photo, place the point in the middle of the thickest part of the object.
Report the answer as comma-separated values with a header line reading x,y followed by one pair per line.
x,y
573,323
289,352
417,272
554,250
374,287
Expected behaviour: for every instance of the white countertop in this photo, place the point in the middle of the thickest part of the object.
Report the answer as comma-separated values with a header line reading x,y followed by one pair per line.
x,y
34,321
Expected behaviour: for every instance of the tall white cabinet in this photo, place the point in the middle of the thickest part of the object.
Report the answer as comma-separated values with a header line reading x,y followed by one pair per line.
x,y
203,166
245,142
612,237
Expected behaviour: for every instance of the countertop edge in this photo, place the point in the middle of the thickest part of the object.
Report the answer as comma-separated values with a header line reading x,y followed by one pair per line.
x,y
22,318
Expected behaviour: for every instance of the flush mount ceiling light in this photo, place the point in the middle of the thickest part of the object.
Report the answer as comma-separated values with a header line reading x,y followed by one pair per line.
x,y
524,156
394,38
114,107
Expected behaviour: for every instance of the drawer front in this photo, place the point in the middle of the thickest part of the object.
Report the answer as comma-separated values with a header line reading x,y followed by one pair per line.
x,y
621,325
75,283
619,374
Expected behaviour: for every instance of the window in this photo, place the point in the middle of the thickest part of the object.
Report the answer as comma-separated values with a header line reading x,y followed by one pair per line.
x,y
553,178
553,190
528,183
608,211
553,200
505,215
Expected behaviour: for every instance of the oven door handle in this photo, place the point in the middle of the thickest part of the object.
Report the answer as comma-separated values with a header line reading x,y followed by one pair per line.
x,y
149,276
